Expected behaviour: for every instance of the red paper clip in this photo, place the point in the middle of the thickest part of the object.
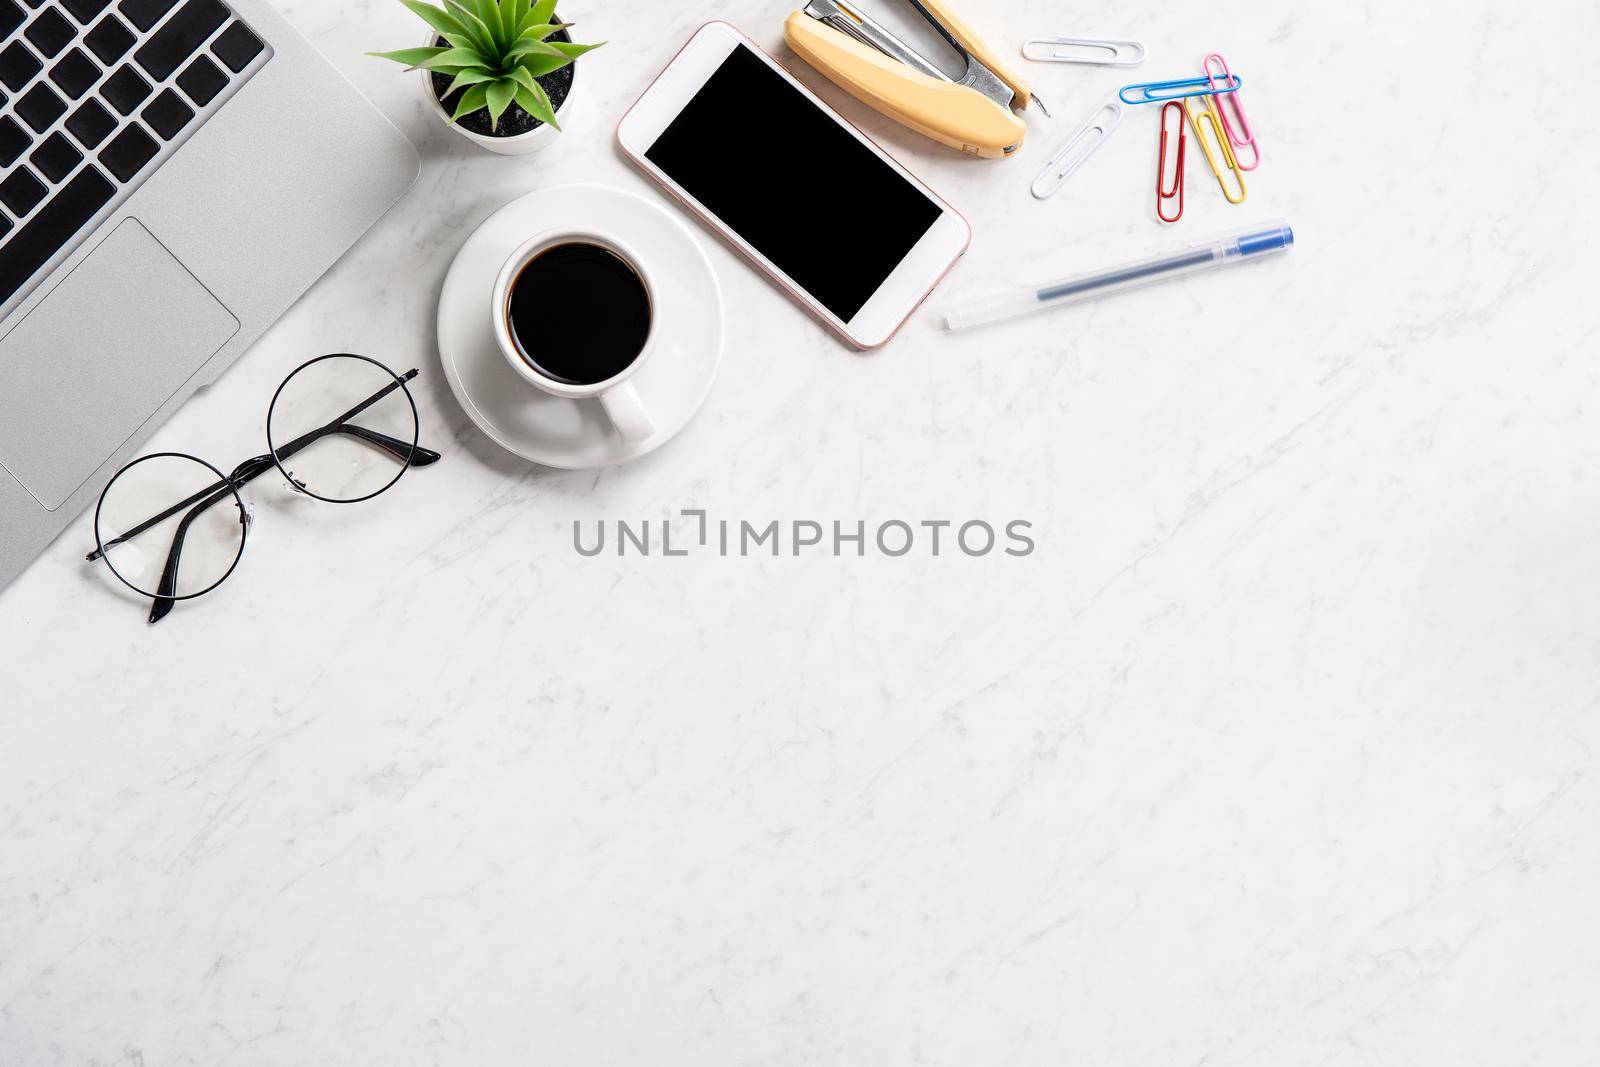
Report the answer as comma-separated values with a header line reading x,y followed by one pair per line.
x,y
1163,193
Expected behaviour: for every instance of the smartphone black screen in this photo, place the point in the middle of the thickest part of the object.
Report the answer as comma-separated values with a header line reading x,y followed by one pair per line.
x,y
777,169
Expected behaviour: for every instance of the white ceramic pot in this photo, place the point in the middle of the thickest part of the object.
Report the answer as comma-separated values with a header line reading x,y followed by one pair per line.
x,y
539,137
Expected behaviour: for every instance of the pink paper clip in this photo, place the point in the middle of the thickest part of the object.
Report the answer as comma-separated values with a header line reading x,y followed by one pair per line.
x,y
1232,108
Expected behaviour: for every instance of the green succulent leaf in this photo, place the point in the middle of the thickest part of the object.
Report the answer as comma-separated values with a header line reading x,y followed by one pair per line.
x,y
527,24
538,66
453,59
499,97
490,12
467,35
521,76
573,51
495,51
533,48
476,98
411,57
440,19
471,76
475,27
510,16
538,31
537,103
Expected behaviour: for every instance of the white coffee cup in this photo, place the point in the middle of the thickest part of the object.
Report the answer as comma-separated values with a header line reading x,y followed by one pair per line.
x,y
617,393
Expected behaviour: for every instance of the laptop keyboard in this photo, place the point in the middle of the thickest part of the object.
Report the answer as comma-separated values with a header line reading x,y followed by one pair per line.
x,y
94,96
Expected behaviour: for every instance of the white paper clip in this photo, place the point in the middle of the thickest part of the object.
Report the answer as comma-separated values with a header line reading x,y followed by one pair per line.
x,y
1096,51
1079,147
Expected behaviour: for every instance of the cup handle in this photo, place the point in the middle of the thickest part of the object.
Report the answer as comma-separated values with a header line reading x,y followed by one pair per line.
x,y
627,413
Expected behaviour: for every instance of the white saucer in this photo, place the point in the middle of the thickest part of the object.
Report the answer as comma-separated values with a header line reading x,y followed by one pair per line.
x,y
575,434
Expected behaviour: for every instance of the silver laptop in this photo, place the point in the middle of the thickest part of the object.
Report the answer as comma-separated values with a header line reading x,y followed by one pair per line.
x,y
175,174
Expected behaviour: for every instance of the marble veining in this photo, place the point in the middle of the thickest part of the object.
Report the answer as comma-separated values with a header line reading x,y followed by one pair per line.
x,y
1280,748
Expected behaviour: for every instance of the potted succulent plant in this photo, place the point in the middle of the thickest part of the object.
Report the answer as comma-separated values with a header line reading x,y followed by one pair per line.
x,y
499,72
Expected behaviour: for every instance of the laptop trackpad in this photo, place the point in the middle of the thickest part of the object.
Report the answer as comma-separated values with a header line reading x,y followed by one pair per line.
x,y
97,357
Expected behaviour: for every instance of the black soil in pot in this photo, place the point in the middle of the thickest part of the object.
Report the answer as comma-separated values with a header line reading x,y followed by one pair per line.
x,y
557,84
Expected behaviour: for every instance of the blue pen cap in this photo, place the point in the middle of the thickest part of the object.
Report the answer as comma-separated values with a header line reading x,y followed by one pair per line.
x,y
1272,236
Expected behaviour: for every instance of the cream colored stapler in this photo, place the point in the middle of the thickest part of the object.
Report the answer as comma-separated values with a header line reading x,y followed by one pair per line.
x,y
976,114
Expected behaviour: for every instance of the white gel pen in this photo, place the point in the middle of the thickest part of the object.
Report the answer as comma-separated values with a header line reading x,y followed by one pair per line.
x,y
1264,239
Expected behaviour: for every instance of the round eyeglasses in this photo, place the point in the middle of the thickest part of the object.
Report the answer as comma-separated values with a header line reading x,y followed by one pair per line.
x,y
341,428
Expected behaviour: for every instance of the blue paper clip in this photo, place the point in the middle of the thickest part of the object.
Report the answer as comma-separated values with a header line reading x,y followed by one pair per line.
x,y
1158,92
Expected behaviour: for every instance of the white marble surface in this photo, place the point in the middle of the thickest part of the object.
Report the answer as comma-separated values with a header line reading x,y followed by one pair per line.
x,y
1280,749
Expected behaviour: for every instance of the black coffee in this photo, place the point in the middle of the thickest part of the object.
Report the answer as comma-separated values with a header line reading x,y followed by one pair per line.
x,y
579,313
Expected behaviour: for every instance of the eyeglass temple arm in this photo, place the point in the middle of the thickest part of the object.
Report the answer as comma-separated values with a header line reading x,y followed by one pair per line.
x,y
416,456
400,450
420,457
242,475
249,471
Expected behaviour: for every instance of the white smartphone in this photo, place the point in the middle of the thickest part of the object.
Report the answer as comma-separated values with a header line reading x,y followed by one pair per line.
x,y
844,229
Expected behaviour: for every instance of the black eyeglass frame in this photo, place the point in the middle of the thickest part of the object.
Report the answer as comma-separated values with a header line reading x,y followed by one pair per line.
x,y
215,487
408,456
368,436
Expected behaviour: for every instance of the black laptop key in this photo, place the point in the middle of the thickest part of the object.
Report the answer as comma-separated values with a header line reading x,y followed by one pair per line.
x,y
128,151
85,10
50,32
75,73
145,13
18,65
91,123
56,158
202,80
110,40
179,37
21,191
74,204
40,107
5,224
14,140
167,114
125,90
11,17
237,46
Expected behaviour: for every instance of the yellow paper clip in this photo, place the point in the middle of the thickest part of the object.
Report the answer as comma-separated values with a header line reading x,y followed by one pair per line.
x,y
1207,113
